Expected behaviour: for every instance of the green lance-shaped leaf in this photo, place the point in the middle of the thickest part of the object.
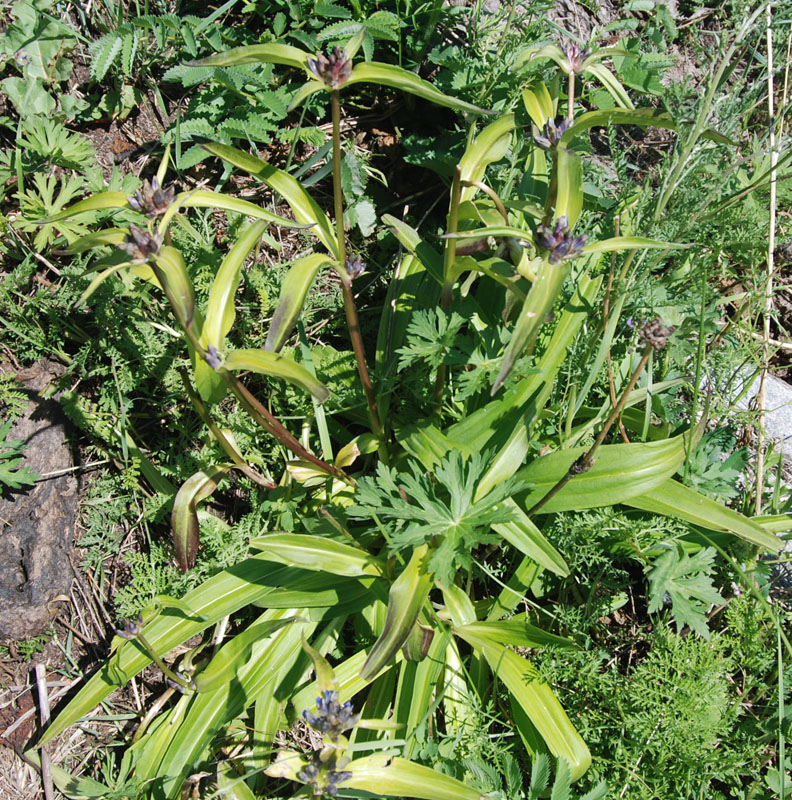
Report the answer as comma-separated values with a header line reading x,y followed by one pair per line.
x,y
254,580
171,262
629,243
253,54
98,202
521,533
405,600
543,293
277,366
512,632
611,84
109,236
408,237
569,188
416,647
398,78
398,777
539,104
102,277
489,146
231,786
220,311
304,92
305,208
184,518
551,51
208,713
317,553
643,117
620,472
224,666
294,290
674,499
536,698
325,677
202,198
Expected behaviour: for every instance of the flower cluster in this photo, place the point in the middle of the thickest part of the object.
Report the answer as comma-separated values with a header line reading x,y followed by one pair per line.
x,y
151,200
332,718
655,334
130,628
575,56
140,245
323,776
333,70
551,134
355,267
558,241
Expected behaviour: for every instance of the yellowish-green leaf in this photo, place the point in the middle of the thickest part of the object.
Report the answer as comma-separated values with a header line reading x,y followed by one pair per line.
x,y
674,499
397,78
184,518
318,553
536,698
294,290
179,286
276,366
220,311
272,53
405,600
98,202
306,209
489,146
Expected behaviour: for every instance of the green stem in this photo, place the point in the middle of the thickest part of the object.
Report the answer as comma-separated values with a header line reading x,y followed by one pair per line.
x,y
571,97
169,673
353,324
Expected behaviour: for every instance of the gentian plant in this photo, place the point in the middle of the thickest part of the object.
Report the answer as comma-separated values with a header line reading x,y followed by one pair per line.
x,y
400,511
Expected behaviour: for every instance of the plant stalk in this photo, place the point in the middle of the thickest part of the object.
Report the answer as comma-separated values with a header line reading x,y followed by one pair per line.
x,y
350,310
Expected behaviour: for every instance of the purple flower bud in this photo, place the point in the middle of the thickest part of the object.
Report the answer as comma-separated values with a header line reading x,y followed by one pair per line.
x,y
575,56
151,200
333,70
551,134
355,267
212,357
140,245
558,242
655,334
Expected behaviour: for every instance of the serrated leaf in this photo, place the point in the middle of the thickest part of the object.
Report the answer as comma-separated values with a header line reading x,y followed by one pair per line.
x,y
687,582
104,53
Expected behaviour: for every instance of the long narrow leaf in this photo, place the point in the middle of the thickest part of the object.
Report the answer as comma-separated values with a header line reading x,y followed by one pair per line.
x,y
398,777
294,290
536,698
272,53
406,598
277,366
674,499
398,78
306,209
220,311
317,553
184,518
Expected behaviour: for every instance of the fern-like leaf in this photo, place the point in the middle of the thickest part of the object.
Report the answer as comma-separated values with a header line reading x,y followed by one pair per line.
x,y
104,53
